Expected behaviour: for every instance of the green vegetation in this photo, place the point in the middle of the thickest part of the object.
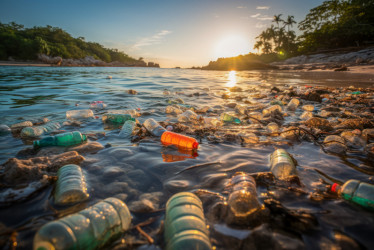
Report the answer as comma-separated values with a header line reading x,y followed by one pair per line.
x,y
26,43
332,25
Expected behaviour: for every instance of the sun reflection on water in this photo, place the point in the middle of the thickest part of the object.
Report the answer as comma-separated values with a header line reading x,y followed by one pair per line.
x,y
231,79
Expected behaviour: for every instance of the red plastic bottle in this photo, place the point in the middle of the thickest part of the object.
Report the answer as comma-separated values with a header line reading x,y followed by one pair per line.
x,y
179,140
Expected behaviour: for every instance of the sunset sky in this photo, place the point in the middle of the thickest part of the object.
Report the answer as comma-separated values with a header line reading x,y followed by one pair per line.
x,y
172,33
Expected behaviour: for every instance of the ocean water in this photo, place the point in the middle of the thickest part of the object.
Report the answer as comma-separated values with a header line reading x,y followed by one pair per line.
x,y
146,166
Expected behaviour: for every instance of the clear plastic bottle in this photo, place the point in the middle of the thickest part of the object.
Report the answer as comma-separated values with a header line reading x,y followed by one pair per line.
x,y
179,140
117,118
187,116
281,164
21,125
293,104
88,229
185,226
40,130
70,186
79,114
358,192
127,129
229,118
243,200
65,139
153,127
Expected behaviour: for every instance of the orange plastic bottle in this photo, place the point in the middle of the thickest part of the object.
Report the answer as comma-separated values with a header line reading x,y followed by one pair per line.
x,y
179,140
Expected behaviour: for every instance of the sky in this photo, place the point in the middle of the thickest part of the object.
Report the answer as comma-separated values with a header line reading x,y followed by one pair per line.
x,y
173,33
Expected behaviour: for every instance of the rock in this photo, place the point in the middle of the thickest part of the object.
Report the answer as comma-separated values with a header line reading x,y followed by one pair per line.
x,y
231,105
306,115
334,144
112,172
319,123
344,68
291,133
22,171
175,186
141,206
132,92
249,138
325,113
293,104
368,135
312,96
4,129
369,149
309,108
255,117
19,126
352,139
356,124
89,147
271,109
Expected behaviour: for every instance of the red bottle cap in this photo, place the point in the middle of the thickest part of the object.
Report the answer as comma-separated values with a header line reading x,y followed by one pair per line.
x,y
334,187
195,145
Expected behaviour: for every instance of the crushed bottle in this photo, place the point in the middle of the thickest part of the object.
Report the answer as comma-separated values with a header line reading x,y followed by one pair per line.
x,y
127,129
90,228
117,118
179,140
229,118
358,192
65,139
281,164
185,226
79,114
70,186
37,131
154,127
188,116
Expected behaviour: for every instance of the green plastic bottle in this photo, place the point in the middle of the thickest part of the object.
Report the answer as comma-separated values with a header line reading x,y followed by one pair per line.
x,y
357,192
65,139
229,118
185,226
90,228
117,118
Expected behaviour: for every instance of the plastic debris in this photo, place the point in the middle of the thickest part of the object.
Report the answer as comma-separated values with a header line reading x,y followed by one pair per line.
x,y
79,114
281,164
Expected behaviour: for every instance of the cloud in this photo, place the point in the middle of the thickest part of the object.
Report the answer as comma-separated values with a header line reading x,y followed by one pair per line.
x,y
241,7
256,15
155,39
260,25
260,17
262,7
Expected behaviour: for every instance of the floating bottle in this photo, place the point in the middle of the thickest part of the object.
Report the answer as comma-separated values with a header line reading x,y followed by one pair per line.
x,y
281,164
187,116
357,192
243,200
185,226
40,130
127,129
65,139
154,127
117,118
293,104
229,118
79,114
179,140
70,186
88,229
98,105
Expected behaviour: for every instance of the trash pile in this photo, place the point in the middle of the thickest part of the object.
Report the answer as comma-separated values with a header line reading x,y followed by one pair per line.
x,y
338,120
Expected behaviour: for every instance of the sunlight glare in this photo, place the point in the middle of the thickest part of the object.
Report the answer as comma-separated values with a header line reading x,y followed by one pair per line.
x,y
232,46
231,79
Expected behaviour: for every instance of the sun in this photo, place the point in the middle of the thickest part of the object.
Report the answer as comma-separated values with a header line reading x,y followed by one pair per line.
x,y
232,45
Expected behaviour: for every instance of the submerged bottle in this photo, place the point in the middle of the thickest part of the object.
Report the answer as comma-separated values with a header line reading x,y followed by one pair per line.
x,y
185,226
79,114
117,118
65,139
40,130
281,164
229,118
179,140
154,127
88,229
243,199
357,192
70,186
127,129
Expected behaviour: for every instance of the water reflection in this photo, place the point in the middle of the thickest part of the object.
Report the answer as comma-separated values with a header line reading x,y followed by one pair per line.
x,y
170,154
231,79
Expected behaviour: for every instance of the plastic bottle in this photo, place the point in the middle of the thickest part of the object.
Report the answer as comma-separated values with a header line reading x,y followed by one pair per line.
x,y
272,127
281,164
154,127
243,200
212,122
79,114
293,104
173,110
187,116
185,226
117,118
357,192
127,129
65,139
98,105
40,130
179,140
271,109
88,229
70,186
229,118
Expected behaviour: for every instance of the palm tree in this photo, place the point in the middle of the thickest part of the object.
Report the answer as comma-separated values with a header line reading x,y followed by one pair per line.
x,y
289,22
277,19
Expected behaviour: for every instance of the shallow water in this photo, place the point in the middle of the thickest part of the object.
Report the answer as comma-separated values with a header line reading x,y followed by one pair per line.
x,y
33,92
